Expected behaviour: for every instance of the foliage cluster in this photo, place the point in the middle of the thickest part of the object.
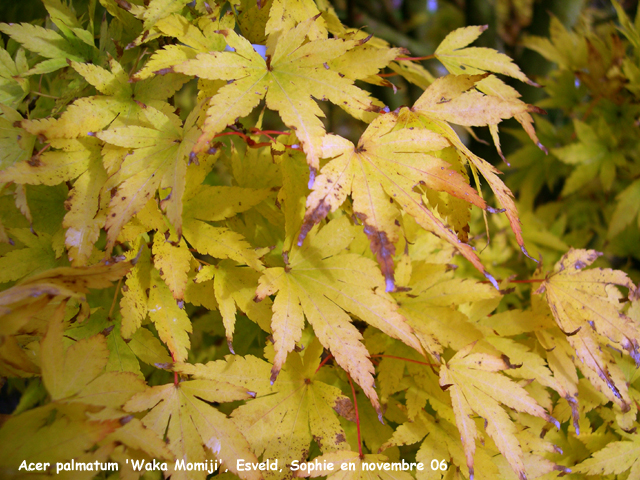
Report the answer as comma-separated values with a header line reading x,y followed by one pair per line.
x,y
593,166
195,266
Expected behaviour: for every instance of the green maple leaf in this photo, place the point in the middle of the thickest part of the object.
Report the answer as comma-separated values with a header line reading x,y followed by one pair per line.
x,y
36,256
49,44
565,48
627,210
596,154
121,104
74,43
13,88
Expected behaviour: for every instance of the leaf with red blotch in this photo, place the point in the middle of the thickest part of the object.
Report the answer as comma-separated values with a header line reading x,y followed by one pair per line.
x,y
488,171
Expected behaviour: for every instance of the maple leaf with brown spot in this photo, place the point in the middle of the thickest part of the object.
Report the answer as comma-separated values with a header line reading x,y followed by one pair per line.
x,y
321,284
586,304
380,174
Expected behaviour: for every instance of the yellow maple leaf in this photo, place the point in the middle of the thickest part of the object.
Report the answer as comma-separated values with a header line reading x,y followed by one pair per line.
x,y
492,85
180,412
121,103
76,374
283,79
153,11
39,436
65,282
475,386
489,172
234,288
68,159
284,418
381,173
88,357
430,307
211,204
170,318
200,38
134,302
473,60
441,441
585,305
614,458
159,160
173,262
322,285
284,15
454,99
293,194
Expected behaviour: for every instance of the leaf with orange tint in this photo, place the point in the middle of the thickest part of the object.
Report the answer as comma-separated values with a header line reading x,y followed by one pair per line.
x,y
380,174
